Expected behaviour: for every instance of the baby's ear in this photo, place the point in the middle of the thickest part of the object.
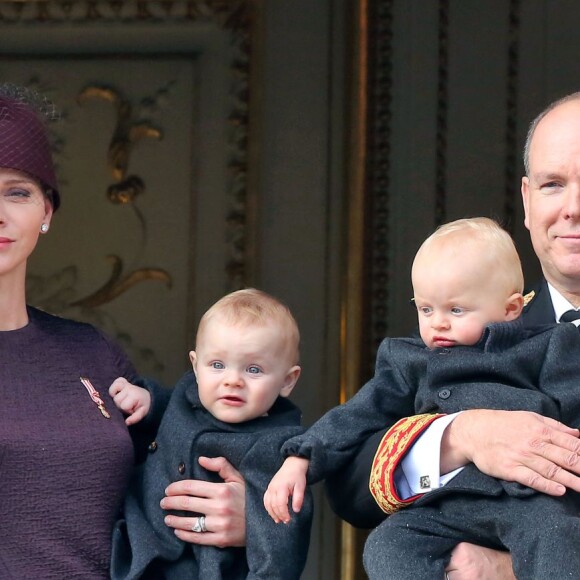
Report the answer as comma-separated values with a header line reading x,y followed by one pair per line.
x,y
290,380
514,306
193,359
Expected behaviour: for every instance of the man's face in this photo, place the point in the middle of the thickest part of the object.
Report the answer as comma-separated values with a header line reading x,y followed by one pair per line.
x,y
551,196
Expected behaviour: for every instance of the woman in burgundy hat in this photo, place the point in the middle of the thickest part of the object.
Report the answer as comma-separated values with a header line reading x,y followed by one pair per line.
x,y
65,452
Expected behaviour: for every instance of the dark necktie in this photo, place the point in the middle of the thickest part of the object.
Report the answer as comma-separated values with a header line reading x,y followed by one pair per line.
x,y
570,316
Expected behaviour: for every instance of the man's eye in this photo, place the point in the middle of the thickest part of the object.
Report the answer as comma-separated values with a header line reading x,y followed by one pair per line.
x,y
550,185
217,365
254,370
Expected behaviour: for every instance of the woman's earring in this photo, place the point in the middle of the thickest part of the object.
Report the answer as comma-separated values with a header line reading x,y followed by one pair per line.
x,y
44,228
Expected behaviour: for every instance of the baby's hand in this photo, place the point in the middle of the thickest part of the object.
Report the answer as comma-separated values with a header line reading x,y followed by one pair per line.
x,y
131,399
289,481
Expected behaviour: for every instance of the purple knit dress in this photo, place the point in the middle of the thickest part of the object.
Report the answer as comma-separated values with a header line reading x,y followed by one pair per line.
x,y
64,467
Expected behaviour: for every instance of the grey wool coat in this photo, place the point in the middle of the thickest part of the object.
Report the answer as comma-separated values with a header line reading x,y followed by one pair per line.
x,y
348,490
512,368
144,547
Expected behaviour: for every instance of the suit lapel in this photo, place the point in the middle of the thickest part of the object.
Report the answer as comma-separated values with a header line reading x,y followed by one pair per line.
x,y
539,309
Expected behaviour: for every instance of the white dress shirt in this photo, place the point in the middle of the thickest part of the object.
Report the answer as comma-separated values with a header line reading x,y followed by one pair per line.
x,y
560,304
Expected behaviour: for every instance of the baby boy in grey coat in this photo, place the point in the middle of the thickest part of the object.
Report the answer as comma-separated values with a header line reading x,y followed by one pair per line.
x,y
234,405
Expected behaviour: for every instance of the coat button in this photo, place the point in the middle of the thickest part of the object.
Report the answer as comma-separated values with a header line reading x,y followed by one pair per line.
x,y
181,468
444,351
444,393
152,447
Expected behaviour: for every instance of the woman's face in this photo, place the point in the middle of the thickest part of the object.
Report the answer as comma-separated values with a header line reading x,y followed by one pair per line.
x,y
23,209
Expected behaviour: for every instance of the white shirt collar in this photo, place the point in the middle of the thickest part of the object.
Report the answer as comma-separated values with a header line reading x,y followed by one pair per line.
x,y
559,303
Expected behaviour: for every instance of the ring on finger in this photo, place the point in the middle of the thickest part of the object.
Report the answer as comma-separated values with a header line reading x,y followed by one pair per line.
x,y
199,525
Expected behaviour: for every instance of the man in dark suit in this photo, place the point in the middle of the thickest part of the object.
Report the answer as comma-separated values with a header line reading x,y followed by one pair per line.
x,y
515,446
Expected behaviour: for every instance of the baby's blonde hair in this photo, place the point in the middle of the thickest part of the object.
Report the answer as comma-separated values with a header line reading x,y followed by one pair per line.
x,y
500,251
257,308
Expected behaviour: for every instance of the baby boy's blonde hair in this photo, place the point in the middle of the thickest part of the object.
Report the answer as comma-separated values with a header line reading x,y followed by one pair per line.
x,y
257,308
497,251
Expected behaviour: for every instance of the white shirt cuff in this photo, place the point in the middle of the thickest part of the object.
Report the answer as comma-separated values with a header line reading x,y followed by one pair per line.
x,y
419,470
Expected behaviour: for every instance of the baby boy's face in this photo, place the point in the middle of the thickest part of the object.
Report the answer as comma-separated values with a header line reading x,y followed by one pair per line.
x,y
455,300
241,369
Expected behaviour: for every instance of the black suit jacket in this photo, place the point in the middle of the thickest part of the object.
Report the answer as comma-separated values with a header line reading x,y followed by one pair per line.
x,y
348,490
539,309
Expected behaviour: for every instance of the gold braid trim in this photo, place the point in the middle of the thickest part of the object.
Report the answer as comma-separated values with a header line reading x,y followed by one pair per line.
x,y
393,447
529,297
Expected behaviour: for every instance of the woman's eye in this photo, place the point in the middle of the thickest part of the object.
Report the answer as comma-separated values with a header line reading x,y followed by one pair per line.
x,y
18,194
253,370
217,365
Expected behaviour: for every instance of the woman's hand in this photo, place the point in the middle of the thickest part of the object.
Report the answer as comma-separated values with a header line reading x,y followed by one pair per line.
x,y
520,446
469,562
223,505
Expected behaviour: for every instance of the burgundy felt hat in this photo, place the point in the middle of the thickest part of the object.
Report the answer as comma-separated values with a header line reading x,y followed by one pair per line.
x,y
24,144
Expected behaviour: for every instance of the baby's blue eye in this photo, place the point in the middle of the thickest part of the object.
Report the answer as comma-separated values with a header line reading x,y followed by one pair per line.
x,y
254,370
425,309
217,365
456,310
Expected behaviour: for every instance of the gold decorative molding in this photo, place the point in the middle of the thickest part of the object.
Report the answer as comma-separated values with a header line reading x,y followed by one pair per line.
x,y
379,171
227,24
117,285
229,14
127,130
442,112
233,17
512,176
55,293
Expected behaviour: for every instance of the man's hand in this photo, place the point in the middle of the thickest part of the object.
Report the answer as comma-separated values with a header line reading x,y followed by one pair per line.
x,y
131,399
469,562
520,446
223,505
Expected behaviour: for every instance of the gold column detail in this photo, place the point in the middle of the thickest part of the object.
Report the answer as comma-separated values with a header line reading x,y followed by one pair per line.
x,y
352,318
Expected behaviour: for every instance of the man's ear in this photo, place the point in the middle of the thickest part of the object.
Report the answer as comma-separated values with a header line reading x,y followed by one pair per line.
x,y
193,359
290,380
526,200
514,306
